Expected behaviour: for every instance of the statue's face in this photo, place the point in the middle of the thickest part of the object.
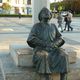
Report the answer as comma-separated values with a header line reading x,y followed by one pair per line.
x,y
45,15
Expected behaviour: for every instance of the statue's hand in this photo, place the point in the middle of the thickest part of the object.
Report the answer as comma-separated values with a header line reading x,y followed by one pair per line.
x,y
50,46
54,45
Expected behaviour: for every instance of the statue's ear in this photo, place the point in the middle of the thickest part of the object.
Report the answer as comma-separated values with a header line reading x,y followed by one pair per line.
x,y
50,16
39,16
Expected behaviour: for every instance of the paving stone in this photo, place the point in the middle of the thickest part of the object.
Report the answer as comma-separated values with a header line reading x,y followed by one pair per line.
x,y
55,76
74,74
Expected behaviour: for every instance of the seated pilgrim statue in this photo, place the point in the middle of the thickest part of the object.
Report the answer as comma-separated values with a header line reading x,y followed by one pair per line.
x,y
46,41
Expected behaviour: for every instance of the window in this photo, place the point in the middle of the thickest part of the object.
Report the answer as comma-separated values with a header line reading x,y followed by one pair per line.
x,y
0,1
29,2
23,1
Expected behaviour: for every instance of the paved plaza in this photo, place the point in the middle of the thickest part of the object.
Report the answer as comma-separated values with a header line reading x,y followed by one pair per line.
x,y
15,30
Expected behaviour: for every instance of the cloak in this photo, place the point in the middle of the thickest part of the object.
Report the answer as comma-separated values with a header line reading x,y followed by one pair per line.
x,y
46,41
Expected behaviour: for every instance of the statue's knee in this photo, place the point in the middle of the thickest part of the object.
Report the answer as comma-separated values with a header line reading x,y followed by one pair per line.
x,y
45,53
42,53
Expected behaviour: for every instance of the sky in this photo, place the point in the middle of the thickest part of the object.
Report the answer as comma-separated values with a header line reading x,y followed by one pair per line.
x,y
55,0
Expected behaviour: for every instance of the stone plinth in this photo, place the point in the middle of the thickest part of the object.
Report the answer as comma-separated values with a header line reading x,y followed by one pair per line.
x,y
55,76
21,54
72,54
24,56
74,74
12,72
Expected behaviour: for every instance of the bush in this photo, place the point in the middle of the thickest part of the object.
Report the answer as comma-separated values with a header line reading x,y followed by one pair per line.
x,y
76,15
14,15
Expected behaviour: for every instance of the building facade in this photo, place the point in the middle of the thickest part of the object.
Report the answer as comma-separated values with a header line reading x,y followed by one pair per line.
x,y
29,7
68,0
18,6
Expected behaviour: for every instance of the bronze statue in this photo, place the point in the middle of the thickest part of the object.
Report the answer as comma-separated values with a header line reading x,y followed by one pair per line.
x,y
46,40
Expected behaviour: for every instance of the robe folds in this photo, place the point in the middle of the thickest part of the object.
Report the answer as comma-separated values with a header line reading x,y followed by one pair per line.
x,y
46,41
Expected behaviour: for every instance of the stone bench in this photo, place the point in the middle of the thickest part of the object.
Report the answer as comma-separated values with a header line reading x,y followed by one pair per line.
x,y
12,72
70,51
21,54
22,57
72,56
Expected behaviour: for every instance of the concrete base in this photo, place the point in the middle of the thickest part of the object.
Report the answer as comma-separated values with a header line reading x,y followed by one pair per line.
x,y
72,54
24,57
55,76
12,72
21,54
74,74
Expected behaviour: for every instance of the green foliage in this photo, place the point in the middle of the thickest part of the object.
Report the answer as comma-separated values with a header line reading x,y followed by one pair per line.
x,y
73,5
65,5
14,15
60,8
76,15
52,6
57,5
6,6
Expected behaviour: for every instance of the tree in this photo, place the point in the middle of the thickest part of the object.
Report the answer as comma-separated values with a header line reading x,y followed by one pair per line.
x,y
6,7
73,5
52,6
57,5
59,8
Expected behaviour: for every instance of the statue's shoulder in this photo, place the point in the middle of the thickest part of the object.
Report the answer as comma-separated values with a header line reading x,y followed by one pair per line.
x,y
36,24
53,25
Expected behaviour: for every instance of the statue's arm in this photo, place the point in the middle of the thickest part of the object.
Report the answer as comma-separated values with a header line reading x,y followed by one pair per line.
x,y
59,41
33,39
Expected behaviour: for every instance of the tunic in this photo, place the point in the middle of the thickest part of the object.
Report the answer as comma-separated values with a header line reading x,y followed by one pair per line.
x,y
46,41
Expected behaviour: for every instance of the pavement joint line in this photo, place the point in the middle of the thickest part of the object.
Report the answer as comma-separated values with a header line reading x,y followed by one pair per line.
x,y
71,42
14,32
